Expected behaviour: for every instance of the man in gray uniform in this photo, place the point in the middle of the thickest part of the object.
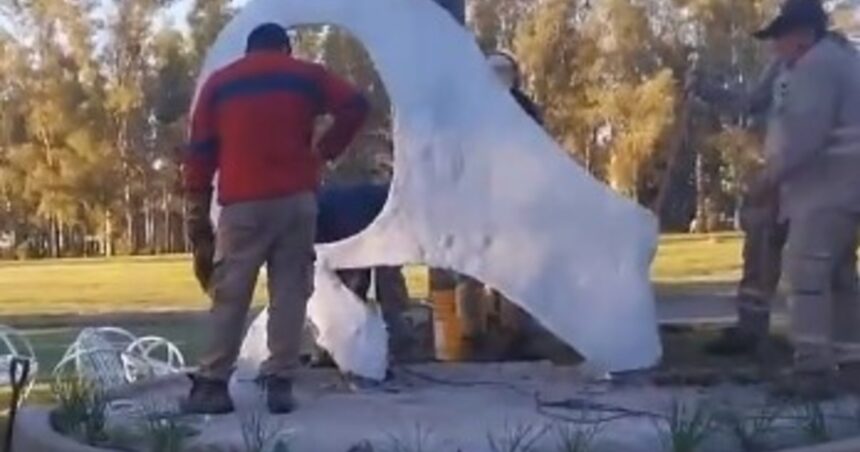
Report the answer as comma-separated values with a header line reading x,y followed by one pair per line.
x,y
765,235
812,155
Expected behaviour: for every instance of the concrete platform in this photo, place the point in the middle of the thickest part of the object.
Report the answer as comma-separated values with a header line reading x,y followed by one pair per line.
x,y
450,407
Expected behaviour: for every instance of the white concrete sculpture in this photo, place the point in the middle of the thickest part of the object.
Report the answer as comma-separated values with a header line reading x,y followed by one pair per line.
x,y
478,188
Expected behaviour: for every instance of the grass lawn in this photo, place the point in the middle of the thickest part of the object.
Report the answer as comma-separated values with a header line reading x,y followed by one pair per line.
x,y
155,284
684,259
94,286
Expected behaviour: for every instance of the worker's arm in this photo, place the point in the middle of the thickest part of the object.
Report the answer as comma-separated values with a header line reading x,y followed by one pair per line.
x,y
349,109
200,160
200,163
761,96
757,101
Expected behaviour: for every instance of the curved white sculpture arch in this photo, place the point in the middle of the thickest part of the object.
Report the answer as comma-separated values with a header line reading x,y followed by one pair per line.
x,y
478,188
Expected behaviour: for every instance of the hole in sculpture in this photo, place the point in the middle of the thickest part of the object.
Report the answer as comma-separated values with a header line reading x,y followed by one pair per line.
x,y
356,187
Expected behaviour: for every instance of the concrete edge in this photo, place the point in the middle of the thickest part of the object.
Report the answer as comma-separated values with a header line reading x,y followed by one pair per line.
x,y
33,433
848,445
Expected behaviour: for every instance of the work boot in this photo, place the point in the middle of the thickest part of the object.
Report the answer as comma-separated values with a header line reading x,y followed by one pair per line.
x,y
207,396
279,394
734,342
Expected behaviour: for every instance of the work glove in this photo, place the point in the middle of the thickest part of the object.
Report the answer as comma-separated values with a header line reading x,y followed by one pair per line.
x,y
202,237
204,263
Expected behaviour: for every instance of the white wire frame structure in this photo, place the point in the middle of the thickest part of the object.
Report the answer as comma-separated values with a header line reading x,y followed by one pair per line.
x,y
111,357
151,357
14,345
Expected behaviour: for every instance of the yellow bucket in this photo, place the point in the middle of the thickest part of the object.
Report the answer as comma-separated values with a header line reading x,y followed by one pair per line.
x,y
447,331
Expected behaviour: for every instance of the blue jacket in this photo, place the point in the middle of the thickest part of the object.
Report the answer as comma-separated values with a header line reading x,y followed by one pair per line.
x,y
344,211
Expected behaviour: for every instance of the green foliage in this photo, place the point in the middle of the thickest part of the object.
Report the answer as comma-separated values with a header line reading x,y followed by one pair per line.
x,y
640,115
168,434
855,412
281,446
573,439
419,439
363,446
814,423
752,431
80,411
741,152
689,425
495,22
516,438
260,432
206,19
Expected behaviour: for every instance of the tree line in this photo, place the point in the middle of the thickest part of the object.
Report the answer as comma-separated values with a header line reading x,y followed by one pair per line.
x,y
94,97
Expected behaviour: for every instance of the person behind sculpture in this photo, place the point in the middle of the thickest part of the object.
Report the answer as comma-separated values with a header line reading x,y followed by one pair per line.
x,y
345,211
765,235
254,126
812,155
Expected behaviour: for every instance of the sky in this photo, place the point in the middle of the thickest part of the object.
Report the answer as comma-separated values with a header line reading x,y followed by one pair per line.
x,y
179,12
175,16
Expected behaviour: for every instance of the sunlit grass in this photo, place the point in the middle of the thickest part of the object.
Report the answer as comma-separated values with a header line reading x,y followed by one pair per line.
x,y
698,258
96,286
154,284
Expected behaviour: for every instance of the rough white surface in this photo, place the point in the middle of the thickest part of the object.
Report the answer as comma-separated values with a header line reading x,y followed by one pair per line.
x,y
478,188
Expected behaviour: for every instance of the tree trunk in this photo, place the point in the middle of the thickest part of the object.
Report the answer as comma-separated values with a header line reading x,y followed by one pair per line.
x,y
701,196
107,234
129,219
54,237
588,165
186,244
167,230
62,243
149,227
123,145
679,141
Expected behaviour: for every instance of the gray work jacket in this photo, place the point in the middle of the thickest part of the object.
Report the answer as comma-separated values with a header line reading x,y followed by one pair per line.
x,y
813,139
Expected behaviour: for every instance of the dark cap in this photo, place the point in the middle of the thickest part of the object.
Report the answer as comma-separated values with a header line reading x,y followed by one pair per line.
x,y
793,15
270,36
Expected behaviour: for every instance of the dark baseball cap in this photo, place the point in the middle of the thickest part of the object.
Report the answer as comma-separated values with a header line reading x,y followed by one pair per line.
x,y
793,15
